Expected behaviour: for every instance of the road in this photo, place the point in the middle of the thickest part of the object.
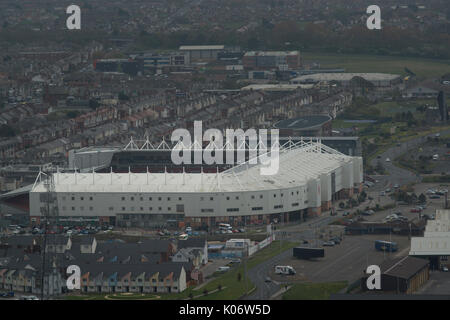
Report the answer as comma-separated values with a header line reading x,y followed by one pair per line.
x,y
264,290
400,176
396,174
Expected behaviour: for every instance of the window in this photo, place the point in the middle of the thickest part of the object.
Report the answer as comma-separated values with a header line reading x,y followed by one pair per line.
x,y
159,198
211,198
278,206
142,198
150,199
260,196
168,198
73,198
123,208
64,208
64,198
274,195
123,198
208,210
297,191
73,208
151,208
81,208
91,198
237,198
132,198
295,204
253,197
81,198
169,208
180,207
180,199
228,198
257,208
202,198
159,208
281,195
292,193
232,209
91,208
111,208
142,208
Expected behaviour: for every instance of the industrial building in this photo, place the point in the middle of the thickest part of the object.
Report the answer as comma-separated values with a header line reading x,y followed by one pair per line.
x,y
282,60
402,275
435,243
379,80
201,53
130,67
310,176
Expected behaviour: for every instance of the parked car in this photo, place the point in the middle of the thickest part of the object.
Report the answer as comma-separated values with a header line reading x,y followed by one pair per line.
x,y
267,279
328,244
346,213
336,240
444,268
415,210
223,269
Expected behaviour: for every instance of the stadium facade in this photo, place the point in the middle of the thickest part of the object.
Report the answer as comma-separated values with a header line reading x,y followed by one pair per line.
x,y
310,177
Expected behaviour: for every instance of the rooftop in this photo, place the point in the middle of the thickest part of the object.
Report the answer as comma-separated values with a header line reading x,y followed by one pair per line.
x,y
298,163
307,122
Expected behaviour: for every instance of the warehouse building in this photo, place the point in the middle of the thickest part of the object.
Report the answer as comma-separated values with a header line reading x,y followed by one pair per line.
x,y
201,53
435,243
402,275
379,80
310,176
282,60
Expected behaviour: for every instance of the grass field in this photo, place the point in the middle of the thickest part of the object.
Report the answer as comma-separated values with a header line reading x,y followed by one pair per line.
x,y
313,291
385,64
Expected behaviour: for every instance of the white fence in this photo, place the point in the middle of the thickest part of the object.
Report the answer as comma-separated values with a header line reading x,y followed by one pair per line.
x,y
261,245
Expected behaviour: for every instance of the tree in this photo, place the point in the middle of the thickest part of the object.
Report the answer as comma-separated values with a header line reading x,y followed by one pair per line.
x,y
422,198
239,277
219,287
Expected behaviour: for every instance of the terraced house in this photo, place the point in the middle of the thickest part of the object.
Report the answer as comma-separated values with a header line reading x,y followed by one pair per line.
x,y
148,278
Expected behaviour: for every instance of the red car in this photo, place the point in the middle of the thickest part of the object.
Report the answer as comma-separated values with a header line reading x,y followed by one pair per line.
x,y
416,210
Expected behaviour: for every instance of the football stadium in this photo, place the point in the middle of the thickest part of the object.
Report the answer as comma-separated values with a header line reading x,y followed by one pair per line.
x,y
310,178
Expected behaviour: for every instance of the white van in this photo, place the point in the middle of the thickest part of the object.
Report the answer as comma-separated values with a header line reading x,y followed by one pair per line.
x,y
284,270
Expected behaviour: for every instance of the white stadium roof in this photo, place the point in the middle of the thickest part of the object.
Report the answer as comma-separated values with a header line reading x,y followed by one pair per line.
x,y
298,163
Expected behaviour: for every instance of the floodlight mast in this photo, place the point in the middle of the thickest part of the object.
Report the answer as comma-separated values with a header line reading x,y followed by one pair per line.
x,y
50,214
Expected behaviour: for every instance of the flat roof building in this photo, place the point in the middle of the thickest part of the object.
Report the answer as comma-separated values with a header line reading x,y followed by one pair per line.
x,y
310,126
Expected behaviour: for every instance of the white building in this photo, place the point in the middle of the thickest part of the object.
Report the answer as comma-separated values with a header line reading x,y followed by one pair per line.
x,y
310,176
435,243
